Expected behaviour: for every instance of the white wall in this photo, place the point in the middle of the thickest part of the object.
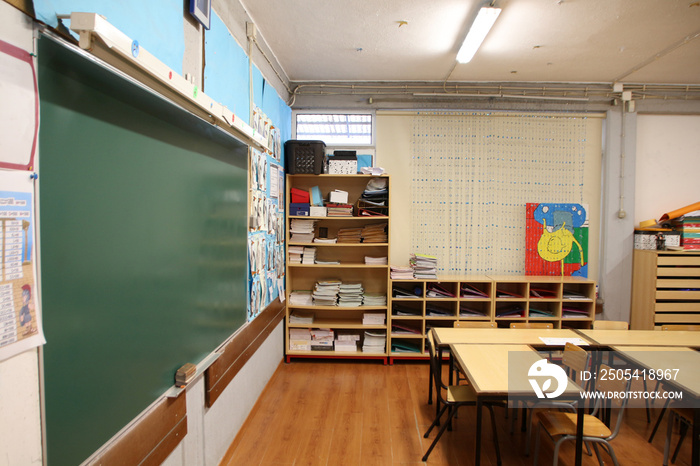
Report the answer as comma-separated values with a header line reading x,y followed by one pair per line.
x,y
668,164
20,409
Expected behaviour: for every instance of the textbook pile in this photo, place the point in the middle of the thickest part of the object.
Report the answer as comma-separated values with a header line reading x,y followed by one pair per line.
x,y
424,266
374,342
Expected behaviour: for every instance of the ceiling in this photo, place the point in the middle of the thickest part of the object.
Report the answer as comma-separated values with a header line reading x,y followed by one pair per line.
x,y
537,41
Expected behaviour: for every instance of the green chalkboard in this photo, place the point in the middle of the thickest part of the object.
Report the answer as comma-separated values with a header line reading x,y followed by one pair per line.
x,y
143,247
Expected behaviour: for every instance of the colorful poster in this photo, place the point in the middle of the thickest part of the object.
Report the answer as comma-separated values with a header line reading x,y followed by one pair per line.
x,y
556,239
20,317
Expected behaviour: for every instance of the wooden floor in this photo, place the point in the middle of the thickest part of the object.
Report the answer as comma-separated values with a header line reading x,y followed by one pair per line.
x,y
329,412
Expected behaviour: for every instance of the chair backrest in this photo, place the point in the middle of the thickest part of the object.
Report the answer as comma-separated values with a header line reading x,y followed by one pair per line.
x,y
690,327
477,324
610,325
607,384
575,357
435,366
531,325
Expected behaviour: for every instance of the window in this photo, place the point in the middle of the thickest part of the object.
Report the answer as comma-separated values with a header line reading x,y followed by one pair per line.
x,y
336,129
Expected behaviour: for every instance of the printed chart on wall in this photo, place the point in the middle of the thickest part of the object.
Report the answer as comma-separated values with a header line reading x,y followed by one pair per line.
x,y
557,239
20,317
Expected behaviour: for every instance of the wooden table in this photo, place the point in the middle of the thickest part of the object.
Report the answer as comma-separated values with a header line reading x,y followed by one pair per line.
x,y
521,336
642,338
486,368
687,379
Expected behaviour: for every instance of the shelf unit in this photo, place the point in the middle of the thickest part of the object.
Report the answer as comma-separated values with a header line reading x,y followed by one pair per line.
x,y
351,269
665,288
563,301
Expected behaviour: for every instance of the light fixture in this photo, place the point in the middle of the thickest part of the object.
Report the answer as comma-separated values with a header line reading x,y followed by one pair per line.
x,y
477,33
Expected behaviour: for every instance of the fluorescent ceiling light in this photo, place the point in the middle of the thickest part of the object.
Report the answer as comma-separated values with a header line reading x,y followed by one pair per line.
x,y
477,33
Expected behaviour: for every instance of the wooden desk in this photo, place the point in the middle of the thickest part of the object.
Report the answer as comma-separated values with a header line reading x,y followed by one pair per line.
x,y
687,379
642,338
501,336
486,367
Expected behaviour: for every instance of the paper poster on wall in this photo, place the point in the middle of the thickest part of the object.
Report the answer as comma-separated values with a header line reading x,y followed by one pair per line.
x,y
19,108
20,316
556,239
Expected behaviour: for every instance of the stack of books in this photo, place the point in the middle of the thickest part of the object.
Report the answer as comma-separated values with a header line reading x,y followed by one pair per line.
x,y
375,299
309,256
346,342
321,339
295,253
350,294
374,342
326,293
401,273
185,374
350,235
302,230
690,232
373,318
300,298
424,266
299,339
375,233
339,210
326,240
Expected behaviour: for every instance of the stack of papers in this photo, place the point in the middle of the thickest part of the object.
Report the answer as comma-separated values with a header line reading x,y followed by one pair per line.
x,y
401,273
424,266
399,329
302,230
435,311
402,346
345,346
300,298
435,290
299,339
573,312
350,294
339,210
298,317
373,318
321,339
375,299
465,311
375,233
295,253
326,293
374,342
326,240
350,235
402,293
376,260
470,291
405,311
309,256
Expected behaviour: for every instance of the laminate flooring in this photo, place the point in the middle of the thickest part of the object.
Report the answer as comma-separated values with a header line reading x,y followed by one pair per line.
x,y
335,412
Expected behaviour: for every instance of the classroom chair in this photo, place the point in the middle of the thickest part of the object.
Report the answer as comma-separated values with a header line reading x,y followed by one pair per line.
x,y
562,425
685,417
454,397
469,324
610,325
531,325
669,328
575,360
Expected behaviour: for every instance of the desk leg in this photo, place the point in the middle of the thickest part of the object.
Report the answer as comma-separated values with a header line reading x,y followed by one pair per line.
x,y
696,433
580,408
477,449
452,369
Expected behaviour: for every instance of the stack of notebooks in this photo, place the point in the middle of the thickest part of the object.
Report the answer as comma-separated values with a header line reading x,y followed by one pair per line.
x,y
374,342
405,311
573,313
350,294
346,342
375,198
398,292
299,317
339,210
435,290
374,299
469,291
185,374
403,346
321,339
300,298
299,339
376,260
302,230
309,256
326,240
295,254
401,273
373,318
424,266
399,329
350,235
375,233
326,293
436,311
689,227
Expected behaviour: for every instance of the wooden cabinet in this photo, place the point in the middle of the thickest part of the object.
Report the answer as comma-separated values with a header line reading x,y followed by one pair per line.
x,y
665,288
418,305
351,268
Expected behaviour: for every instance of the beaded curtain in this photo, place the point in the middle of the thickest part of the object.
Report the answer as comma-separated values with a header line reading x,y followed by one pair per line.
x,y
472,175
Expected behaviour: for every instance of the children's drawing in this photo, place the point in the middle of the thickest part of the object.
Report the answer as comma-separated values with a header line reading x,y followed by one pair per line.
x,y
557,239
